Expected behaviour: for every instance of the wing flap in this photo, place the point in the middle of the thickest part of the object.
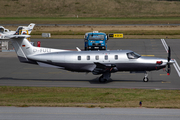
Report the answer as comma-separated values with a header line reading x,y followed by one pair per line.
x,y
102,68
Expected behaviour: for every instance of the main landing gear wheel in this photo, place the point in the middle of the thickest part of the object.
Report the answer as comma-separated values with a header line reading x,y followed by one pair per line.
x,y
102,80
145,79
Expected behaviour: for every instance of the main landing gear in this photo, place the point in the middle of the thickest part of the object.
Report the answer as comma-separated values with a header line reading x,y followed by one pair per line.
x,y
104,77
145,79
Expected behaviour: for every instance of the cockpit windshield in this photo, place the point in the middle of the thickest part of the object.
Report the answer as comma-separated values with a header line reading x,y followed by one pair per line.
x,y
96,37
1,30
133,55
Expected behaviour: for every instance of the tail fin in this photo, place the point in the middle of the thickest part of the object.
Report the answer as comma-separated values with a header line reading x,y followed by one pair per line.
x,y
18,31
22,47
22,30
30,27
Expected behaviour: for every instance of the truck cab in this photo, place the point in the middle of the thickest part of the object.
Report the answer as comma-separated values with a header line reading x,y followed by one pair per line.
x,y
95,41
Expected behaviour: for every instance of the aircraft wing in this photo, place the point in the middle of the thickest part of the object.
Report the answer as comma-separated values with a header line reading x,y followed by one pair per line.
x,y
103,68
7,38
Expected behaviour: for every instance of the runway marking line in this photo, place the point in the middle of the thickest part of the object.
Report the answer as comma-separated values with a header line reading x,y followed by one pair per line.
x,y
153,45
148,55
165,82
162,74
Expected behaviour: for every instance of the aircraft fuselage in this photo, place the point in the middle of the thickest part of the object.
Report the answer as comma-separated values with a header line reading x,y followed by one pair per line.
x,y
83,61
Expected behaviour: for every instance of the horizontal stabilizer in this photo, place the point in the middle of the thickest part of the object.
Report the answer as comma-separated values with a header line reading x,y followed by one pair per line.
x,y
19,36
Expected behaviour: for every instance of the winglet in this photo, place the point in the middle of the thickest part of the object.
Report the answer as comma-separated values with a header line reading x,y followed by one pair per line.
x,y
78,49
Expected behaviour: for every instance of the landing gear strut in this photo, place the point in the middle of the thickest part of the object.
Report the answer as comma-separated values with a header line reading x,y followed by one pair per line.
x,y
104,77
145,79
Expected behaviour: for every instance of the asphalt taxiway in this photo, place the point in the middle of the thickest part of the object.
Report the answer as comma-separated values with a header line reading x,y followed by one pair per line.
x,y
14,73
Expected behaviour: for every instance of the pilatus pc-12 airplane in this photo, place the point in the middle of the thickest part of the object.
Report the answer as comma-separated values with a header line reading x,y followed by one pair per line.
x,y
98,62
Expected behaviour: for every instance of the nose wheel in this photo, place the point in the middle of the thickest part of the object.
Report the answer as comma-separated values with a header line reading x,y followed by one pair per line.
x,y
145,79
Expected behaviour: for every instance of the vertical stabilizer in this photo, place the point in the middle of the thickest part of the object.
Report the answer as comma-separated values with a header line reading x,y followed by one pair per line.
x,y
30,28
22,47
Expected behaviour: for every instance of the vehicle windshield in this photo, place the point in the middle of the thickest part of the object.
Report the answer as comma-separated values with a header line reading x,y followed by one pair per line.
x,y
133,55
96,37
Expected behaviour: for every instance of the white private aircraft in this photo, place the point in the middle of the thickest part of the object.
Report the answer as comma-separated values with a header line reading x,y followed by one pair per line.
x,y
96,62
5,33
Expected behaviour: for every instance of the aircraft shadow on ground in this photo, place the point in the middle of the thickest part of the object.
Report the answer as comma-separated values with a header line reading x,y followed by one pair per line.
x,y
93,81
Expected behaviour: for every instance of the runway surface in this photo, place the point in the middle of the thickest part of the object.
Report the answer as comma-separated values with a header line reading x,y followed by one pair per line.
x,y
14,73
71,113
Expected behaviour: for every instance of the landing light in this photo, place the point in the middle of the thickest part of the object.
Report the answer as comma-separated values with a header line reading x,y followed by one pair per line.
x,y
159,62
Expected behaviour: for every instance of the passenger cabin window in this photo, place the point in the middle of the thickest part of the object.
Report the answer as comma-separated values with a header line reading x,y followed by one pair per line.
x,y
88,57
133,55
116,57
97,57
79,58
106,57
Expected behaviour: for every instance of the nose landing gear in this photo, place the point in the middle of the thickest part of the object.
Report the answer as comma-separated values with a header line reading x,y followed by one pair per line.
x,y
145,79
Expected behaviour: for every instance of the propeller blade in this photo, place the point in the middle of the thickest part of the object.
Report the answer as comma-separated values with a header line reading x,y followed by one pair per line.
x,y
168,64
169,69
169,53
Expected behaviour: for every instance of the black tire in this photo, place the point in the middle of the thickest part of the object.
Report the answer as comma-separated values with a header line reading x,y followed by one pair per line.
x,y
101,80
145,79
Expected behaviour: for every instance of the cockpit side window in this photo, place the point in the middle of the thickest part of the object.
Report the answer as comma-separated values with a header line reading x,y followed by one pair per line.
x,y
133,55
1,30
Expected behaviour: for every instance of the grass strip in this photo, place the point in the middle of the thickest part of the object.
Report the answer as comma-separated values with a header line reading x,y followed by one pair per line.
x,y
88,97
89,20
